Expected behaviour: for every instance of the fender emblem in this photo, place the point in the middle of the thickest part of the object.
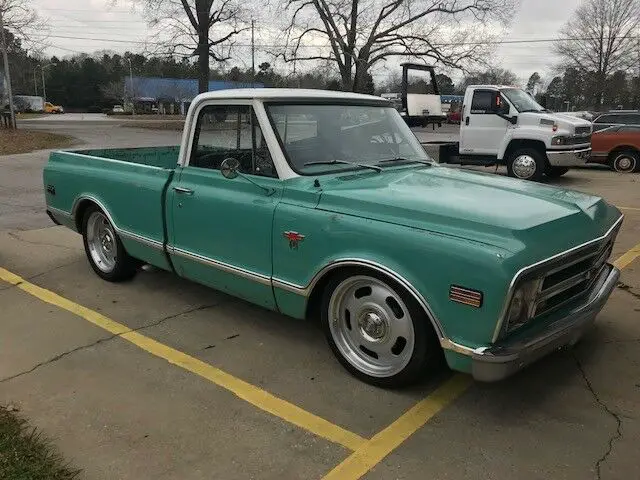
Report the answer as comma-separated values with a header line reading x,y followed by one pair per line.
x,y
294,239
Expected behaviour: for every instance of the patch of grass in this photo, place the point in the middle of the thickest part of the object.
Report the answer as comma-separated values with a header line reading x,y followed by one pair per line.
x,y
25,454
23,141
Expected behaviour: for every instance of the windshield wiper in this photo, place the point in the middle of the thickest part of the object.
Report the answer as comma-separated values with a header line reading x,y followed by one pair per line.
x,y
403,159
531,110
344,162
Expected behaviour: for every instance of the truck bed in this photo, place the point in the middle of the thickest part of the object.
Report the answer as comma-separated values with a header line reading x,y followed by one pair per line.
x,y
163,157
129,183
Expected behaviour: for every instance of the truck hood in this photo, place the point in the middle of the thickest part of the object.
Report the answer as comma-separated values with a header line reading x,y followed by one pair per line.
x,y
565,123
499,211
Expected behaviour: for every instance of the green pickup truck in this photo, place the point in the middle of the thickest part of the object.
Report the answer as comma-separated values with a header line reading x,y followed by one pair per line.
x,y
324,205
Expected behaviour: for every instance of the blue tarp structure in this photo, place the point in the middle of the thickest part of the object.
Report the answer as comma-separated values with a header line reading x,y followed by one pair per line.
x,y
176,89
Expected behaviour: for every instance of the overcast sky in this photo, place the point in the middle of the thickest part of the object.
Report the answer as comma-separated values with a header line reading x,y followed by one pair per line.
x,y
124,28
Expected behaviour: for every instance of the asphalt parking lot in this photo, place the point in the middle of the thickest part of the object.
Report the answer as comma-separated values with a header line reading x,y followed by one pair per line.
x,y
161,378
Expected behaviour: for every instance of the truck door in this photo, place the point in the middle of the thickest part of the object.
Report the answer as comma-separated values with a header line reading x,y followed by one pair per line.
x,y
481,129
221,228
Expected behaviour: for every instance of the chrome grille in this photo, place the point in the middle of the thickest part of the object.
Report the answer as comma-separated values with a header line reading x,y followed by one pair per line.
x,y
579,140
574,279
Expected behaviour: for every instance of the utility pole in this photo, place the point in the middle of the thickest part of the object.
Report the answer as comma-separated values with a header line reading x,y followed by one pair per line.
x,y
253,54
44,84
7,73
133,103
35,83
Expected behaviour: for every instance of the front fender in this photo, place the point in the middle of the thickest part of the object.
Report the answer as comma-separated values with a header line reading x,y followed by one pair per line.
x,y
426,263
525,132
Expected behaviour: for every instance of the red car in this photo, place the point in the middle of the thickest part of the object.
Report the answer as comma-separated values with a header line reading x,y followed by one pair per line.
x,y
618,147
454,117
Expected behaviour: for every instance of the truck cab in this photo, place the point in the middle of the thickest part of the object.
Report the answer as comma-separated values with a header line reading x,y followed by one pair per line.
x,y
505,125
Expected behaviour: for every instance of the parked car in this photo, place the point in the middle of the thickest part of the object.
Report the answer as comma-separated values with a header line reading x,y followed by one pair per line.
x,y
614,119
506,126
618,147
117,109
454,117
51,108
295,205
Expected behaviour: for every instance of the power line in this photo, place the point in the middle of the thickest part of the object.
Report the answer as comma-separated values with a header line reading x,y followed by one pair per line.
x,y
452,44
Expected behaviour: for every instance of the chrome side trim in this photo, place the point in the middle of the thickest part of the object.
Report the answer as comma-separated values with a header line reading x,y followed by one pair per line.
x,y
225,267
150,242
524,270
61,213
357,262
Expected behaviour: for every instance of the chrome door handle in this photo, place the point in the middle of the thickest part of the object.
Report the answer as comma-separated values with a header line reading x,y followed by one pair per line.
x,y
184,191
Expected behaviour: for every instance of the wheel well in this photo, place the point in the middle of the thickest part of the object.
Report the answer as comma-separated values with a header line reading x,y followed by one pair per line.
x,y
622,148
79,213
315,297
523,143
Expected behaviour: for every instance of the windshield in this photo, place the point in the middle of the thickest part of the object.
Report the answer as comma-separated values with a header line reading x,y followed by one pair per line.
x,y
522,100
362,134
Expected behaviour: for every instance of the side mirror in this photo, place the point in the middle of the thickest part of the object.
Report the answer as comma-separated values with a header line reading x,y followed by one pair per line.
x,y
229,167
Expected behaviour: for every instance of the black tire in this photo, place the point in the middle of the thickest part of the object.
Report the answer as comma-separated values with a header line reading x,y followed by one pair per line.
x,y
626,161
539,163
427,355
555,172
125,266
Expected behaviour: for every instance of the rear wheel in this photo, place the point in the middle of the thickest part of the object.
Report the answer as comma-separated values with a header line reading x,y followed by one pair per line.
x,y
378,332
104,249
555,172
625,162
526,164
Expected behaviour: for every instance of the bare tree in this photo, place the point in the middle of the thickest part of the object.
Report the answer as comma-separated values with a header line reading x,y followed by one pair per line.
x,y
491,76
601,38
358,34
21,19
195,28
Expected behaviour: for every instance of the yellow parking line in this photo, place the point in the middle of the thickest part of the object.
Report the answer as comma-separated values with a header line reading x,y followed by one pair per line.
x,y
383,443
628,257
244,390
629,208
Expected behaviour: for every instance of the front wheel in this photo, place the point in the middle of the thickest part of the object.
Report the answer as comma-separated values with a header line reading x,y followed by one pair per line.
x,y
103,247
625,162
555,172
378,332
526,164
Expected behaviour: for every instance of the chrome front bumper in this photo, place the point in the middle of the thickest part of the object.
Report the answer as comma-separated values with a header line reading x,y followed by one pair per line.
x,y
568,158
502,360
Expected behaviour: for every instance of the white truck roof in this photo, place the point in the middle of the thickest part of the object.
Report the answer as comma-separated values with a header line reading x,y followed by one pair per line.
x,y
286,93
492,87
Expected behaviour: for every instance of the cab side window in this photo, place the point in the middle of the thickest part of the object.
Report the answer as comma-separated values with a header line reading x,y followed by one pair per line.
x,y
482,102
224,131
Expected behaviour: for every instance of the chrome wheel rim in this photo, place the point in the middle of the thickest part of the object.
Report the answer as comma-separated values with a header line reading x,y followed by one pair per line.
x,y
371,326
625,163
101,240
524,166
